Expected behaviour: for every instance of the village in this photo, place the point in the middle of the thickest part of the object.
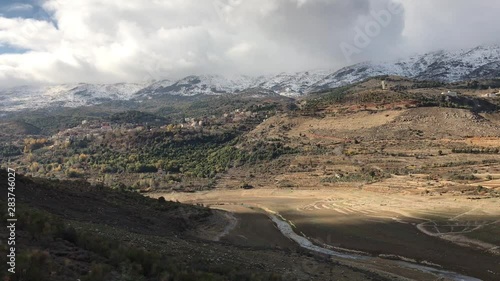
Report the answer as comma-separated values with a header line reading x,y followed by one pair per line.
x,y
96,129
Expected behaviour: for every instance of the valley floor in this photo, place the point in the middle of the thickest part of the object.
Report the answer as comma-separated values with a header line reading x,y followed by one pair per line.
x,y
449,232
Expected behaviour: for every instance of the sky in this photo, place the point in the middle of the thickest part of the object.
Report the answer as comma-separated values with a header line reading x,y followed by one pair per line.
x,y
109,41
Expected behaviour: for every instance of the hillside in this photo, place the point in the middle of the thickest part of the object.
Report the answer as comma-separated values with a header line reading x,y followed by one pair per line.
x,y
72,230
191,143
18,128
402,92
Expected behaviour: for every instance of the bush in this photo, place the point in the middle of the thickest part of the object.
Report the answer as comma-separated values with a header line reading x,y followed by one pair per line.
x,y
246,186
74,173
463,177
98,272
69,234
33,265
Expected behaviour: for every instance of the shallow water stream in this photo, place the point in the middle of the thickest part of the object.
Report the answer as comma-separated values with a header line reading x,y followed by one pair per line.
x,y
286,230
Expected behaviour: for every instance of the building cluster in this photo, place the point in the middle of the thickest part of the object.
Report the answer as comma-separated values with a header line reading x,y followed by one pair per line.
x,y
96,129
492,94
234,116
91,130
449,94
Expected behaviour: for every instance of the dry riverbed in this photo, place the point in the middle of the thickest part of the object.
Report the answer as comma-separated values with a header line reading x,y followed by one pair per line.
x,y
445,232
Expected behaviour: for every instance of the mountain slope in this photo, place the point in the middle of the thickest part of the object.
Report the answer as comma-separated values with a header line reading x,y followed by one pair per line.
x,y
293,84
200,85
66,95
482,62
71,230
478,63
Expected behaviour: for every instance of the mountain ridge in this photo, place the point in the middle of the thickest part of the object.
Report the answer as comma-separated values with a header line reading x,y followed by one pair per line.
x,y
445,66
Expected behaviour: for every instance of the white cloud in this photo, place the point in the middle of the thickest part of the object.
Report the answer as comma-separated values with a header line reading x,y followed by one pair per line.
x,y
29,34
112,40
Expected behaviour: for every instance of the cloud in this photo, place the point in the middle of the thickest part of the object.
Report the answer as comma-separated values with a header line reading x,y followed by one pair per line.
x,y
112,41
451,24
29,34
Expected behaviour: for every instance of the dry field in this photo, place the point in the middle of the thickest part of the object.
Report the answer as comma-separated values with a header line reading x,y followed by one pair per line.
x,y
451,232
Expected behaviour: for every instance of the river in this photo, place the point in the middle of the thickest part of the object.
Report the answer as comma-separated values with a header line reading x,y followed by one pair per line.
x,y
287,230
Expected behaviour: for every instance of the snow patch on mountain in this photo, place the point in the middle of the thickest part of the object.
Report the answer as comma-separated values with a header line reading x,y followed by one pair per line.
x,y
446,66
66,95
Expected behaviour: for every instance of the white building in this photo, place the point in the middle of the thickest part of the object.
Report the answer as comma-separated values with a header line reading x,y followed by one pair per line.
x,y
450,94
490,95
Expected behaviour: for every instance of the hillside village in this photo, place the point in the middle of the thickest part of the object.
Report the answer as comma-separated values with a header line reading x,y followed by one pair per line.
x,y
95,129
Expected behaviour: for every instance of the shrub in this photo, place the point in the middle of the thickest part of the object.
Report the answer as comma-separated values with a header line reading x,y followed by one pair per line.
x,y
98,272
246,186
74,173
33,265
69,234
463,177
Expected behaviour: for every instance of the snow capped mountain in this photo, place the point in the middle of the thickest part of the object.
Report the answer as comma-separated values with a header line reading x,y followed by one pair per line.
x,y
200,85
66,95
478,63
293,84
